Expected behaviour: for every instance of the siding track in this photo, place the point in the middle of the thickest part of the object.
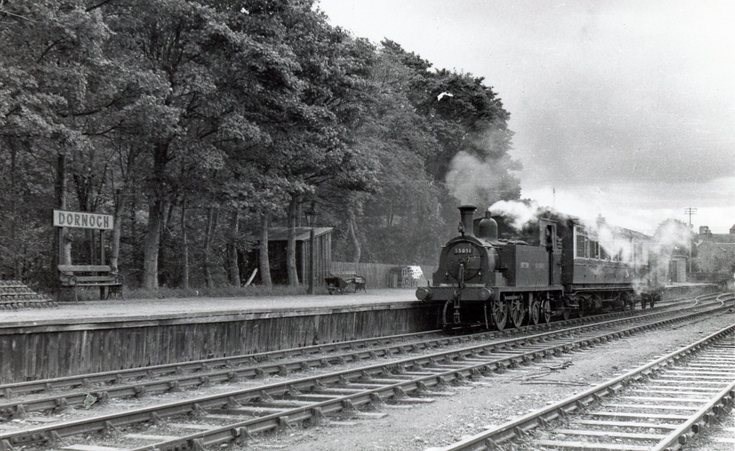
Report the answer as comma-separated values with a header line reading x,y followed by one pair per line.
x,y
659,406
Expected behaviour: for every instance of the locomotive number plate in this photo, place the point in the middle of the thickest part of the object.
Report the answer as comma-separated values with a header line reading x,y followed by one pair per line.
x,y
462,250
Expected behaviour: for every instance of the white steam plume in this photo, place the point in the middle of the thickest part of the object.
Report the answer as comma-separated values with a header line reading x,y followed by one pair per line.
x,y
488,173
474,181
670,236
519,213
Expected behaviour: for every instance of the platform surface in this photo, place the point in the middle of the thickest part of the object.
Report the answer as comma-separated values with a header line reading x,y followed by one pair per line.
x,y
206,309
203,307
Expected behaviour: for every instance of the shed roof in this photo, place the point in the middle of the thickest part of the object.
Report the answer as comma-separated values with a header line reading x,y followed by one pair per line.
x,y
302,233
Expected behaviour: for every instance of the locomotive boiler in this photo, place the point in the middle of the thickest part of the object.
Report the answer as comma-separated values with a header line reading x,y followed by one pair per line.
x,y
492,275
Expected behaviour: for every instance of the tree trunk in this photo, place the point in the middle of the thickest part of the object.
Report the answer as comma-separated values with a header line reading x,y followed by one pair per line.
x,y
352,229
211,226
14,213
155,213
63,254
84,186
265,265
151,245
164,277
116,232
293,276
234,267
185,243
133,218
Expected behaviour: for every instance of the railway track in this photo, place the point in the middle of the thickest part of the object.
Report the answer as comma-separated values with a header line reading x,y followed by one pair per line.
x,y
658,406
87,390
234,416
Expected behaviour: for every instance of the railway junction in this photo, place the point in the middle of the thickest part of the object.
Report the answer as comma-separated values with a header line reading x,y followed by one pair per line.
x,y
316,391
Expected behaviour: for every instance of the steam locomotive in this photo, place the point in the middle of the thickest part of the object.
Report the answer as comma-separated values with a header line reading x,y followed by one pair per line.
x,y
491,275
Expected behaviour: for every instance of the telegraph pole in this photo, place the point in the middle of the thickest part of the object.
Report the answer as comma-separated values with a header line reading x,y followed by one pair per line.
x,y
690,211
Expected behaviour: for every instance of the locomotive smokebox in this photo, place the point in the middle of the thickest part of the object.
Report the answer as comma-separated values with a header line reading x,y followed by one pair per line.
x,y
467,214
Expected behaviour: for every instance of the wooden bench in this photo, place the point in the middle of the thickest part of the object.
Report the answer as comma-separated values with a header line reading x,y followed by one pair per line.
x,y
341,283
75,276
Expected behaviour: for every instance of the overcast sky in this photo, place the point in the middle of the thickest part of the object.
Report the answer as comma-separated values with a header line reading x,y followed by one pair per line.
x,y
626,108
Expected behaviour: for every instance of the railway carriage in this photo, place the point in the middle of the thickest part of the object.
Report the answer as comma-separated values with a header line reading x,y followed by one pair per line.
x,y
492,275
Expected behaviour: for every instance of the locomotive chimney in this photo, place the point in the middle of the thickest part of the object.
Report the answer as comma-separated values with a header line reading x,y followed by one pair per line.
x,y
467,213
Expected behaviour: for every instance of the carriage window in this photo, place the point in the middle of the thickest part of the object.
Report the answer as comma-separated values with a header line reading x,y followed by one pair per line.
x,y
594,247
603,254
581,246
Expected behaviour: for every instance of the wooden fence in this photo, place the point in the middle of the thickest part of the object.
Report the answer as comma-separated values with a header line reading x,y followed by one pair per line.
x,y
380,275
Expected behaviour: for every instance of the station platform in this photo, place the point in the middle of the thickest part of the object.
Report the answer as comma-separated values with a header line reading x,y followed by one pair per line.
x,y
95,336
204,308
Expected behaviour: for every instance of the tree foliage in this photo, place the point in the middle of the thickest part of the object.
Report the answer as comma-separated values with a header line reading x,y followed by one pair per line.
x,y
195,122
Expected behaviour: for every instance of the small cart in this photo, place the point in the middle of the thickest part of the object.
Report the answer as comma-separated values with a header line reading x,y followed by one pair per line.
x,y
343,283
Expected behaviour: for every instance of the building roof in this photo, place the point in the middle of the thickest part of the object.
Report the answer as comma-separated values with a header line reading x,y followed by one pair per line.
x,y
716,244
718,237
302,233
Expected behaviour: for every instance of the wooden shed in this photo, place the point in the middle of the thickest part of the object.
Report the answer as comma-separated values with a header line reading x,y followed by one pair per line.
x,y
277,242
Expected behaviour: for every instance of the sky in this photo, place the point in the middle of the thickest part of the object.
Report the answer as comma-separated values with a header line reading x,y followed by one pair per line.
x,y
619,108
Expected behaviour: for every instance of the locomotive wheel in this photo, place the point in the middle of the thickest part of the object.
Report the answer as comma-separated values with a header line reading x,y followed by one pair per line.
x,y
499,311
582,310
628,303
517,312
545,310
565,313
654,298
534,314
585,306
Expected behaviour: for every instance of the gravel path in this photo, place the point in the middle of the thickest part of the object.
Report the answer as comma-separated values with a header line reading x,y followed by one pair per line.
x,y
498,399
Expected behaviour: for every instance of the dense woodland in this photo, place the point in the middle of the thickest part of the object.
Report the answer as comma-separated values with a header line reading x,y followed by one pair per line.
x,y
199,124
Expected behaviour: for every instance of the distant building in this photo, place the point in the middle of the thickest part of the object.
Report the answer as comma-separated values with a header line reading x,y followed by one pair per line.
x,y
715,256
677,268
705,234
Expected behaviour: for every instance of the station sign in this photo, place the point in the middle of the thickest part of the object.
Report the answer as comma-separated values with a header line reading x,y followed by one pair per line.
x,y
82,220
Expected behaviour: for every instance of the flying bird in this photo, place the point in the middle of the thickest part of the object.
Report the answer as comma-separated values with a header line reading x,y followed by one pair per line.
x,y
444,94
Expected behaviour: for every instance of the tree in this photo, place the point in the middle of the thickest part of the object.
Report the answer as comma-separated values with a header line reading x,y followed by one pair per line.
x,y
470,124
51,53
399,140
309,142
184,111
189,49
